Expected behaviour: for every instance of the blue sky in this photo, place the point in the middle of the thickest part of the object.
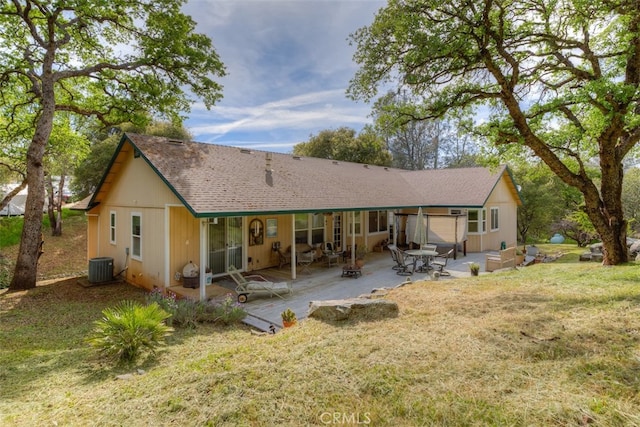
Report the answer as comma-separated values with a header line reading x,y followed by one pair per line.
x,y
288,62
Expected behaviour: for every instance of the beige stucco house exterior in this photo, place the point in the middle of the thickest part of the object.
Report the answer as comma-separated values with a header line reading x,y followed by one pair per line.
x,y
163,203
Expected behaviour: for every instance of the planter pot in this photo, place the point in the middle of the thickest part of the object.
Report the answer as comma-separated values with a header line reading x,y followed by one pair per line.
x,y
360,262
519,259
288,324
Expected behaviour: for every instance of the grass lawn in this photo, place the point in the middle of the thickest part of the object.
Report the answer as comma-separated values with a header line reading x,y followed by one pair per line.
x,y
551,344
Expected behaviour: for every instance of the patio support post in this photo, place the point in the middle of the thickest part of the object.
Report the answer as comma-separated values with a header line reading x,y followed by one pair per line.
x,y
294,255
353,236
203,260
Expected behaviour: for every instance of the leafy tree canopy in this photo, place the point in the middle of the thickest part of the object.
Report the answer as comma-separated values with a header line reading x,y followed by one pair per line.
x,y
343,144
115,61
558,79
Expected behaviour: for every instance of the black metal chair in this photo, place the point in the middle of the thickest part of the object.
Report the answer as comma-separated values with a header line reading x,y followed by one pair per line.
x,y
440,262
404,267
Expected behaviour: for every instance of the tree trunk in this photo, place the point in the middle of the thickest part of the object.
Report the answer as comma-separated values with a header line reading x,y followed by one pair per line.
x,y
26,271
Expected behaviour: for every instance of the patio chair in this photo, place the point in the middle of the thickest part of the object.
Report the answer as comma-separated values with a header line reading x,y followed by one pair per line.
x,y
393,249
284,258
304,260
255,283
440,262
405,268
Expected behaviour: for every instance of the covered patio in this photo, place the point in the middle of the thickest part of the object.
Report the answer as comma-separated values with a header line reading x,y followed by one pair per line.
x,y
321,282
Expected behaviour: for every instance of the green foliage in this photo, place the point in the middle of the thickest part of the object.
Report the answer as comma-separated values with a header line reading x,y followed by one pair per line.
x,y
10,230
343,144
188,313
88,174
631,197
545,200
116,61
5,273
559,85
288,315
128,329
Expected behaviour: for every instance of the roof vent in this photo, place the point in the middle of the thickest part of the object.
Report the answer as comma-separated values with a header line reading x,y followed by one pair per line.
x,y
366,166
175,141
297,157
245,151
335,162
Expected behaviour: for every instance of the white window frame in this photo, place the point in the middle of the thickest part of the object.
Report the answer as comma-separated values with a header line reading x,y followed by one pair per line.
x,y
495,219
136,255
356,217
482,221
112,227
383,223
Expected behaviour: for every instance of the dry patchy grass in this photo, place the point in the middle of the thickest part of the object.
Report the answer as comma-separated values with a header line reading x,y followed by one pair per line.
x,y
552,344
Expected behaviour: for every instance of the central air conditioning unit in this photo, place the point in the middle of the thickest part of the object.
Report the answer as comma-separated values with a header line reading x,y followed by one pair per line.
x,y
100,269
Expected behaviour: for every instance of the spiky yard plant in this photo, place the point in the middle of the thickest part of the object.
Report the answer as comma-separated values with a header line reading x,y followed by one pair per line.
x,y
129,328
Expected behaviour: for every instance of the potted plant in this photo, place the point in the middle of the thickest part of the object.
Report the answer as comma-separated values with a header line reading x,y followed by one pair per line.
x,y
360,253
475,268
288,318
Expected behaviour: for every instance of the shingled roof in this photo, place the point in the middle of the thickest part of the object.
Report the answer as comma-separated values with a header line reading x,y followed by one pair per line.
x,y
215,180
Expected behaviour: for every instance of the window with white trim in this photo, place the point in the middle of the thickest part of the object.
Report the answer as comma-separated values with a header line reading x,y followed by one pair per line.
x,y
378,221
495,219
112,227
477,221
317,228
356,217
136,236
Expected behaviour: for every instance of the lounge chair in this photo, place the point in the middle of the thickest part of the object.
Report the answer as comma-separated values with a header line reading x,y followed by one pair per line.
x,y
255,283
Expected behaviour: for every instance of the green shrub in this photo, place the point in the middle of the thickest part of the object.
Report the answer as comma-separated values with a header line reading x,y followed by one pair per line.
x,y
128,329
228,311
187,313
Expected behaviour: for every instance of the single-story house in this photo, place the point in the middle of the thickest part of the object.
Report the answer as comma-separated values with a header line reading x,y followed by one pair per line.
x,y
164,203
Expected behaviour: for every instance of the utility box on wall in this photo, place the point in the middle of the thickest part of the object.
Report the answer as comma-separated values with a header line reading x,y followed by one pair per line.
x,y
100,269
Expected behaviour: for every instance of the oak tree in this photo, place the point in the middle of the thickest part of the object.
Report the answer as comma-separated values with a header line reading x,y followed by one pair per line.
x,y
558,78
115,61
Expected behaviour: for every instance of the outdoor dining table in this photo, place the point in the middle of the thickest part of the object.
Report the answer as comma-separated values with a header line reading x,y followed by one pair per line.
x,y
425,255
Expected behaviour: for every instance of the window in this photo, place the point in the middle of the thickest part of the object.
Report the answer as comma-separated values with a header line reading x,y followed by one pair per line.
x,y
357,220
495,223
378,221
477,221
136,236
112,227
302,227
317,228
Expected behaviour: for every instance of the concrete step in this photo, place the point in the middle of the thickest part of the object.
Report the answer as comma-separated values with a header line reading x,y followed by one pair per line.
x,y
260,323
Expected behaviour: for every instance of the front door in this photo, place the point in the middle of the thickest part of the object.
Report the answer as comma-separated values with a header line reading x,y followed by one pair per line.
x,y
225,244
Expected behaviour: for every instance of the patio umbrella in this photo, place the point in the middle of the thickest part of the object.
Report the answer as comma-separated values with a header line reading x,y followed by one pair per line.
x,y
420,232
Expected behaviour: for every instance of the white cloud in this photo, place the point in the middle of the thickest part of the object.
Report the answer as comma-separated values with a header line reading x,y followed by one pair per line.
x,y
289,63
